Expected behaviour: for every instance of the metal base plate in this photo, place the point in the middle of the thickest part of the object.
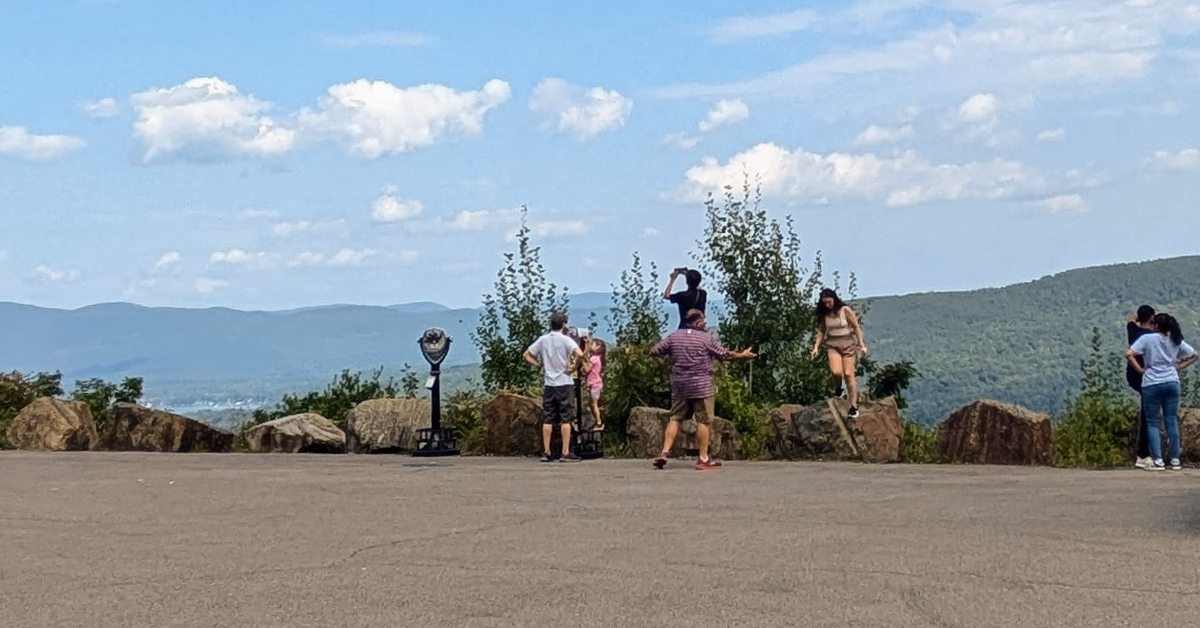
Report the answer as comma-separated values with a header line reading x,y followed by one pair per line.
x,y
441,442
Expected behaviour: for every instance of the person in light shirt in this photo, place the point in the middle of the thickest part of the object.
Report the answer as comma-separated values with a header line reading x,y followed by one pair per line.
x,y
1164,354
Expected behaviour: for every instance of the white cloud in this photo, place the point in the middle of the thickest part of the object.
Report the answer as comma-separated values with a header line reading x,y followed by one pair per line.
x,y
761,26
979,109
206,119
584,113
289,229
239,257
378,39
205,285
17,141
103,108
1064,204
901,180
341,259
1184,160
54,275
391,208
375,118
478,220
723,113
875,134
170,258
1052,135
558,228
649,232
682,140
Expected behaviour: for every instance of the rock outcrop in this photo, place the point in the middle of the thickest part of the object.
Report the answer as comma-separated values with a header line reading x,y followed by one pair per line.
x,y
50,424
307,433
386,425
135,428
824,431
1189,436
645,431
991,432
512,425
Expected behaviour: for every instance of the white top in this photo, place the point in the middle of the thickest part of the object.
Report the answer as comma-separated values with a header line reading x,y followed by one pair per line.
x,y
1160,354
555,349
838,326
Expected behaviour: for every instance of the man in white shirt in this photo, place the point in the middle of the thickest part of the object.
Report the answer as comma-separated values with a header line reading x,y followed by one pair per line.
x,y
554,353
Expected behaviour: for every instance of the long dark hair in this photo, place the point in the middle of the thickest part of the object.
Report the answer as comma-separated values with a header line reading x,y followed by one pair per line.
x,y
693,283
823,311
1166,324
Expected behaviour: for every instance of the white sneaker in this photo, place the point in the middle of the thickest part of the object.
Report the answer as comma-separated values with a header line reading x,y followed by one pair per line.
x,y
1175,465
1143,463
1157,465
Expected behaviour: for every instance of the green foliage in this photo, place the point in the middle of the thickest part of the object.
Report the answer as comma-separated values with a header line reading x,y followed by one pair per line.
x,y
18,390
410,384
100,395
463,410
920,443
735,403
754,261
1189,389
515,315
1095,429
345,391
889,380
631,377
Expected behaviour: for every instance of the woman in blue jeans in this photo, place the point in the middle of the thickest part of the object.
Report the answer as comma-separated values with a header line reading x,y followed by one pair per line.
x,y
1164,354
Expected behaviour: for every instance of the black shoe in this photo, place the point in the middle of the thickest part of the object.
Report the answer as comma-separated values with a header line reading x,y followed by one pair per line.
x,y
547,458
570,458
853,413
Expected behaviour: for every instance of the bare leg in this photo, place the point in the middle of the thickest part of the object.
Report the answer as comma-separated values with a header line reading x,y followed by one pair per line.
x,y
836,367
669,436
702,435
547,430
566,439
851,381
596,420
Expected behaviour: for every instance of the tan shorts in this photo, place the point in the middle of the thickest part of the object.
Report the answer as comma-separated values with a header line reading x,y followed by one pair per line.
x,y
700,410
845,346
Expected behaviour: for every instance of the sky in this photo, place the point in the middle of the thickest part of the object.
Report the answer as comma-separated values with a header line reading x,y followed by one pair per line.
x,y
271,155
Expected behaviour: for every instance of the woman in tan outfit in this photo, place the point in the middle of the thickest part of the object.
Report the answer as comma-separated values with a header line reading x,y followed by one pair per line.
x,y
838,328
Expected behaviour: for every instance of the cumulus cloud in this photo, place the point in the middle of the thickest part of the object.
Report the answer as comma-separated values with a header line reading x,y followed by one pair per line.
x,y
649,232
723,113
875,134
1182,161
376,118
391,208
340,259
558,228
298,227
239,257
377,39
478,220
979,109
901,180
579,111
683,140
1064,204
53,275
741,28
206,119
17,141
1052,135
168,259
103,108
207,285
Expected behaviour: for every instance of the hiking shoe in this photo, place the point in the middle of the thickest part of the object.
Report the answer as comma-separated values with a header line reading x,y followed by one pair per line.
x,y
1175,464
853,413
570,458
1143,463
1157,465
547,458
708,465
660,462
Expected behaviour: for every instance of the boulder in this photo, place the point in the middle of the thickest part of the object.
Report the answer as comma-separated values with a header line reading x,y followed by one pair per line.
x,y
135,428
512,425
825,431
307,433
646,426
50,424
990,432
386,425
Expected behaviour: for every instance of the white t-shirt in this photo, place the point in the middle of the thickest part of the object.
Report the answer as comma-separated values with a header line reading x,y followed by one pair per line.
x,y
555,349
1160,354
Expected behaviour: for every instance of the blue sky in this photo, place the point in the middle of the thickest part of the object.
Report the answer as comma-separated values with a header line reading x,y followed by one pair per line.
x,y
280,154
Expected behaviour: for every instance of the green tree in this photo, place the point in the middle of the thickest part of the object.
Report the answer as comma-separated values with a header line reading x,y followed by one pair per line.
x,y
410,383
1095,429
100,395
515,315
345,391
637,320
18,390
889,380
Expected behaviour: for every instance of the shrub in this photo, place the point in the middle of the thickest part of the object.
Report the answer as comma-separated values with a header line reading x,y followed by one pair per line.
x,y
99,395
1095,429
339,396
18,390
920,443
463,410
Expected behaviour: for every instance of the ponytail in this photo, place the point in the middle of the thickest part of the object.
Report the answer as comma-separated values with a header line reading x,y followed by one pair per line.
x,y
1166,324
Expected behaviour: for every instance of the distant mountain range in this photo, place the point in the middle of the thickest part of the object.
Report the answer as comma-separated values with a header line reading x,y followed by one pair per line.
x,y
1020,343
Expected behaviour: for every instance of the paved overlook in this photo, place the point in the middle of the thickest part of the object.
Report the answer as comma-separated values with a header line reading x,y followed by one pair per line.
x,y
102,539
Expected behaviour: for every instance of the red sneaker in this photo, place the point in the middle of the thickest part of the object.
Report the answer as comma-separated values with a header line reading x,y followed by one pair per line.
x,y
711,464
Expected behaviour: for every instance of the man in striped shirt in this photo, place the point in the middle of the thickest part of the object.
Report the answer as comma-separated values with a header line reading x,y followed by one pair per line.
x,y
693,352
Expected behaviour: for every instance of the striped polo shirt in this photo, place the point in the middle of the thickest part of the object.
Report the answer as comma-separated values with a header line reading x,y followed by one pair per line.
x,y
693,353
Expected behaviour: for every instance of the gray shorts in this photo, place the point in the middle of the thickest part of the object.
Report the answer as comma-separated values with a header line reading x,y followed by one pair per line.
x,y
558,404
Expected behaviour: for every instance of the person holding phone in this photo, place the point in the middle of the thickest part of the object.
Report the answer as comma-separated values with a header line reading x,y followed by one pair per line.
x,y
694,298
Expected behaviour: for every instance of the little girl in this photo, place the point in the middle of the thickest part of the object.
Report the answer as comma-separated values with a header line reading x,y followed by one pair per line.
x,y
595,380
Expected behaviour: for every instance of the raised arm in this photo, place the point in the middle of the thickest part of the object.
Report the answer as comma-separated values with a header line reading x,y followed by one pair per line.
x,y
670,285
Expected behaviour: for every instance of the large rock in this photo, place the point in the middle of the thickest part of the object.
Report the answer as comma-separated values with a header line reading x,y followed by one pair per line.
x,y
512,426
824,431
990,432
307,433
1189,436
135,428
386,425
646,426
50,424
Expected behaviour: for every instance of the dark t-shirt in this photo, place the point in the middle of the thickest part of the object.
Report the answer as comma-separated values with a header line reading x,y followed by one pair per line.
x,y
1134,331
689,301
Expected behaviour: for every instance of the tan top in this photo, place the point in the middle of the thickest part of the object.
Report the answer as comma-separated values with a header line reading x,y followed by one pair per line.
x,y
838,326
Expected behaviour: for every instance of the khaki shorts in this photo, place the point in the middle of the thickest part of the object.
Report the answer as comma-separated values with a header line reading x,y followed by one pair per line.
x,y
700,410
845,346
